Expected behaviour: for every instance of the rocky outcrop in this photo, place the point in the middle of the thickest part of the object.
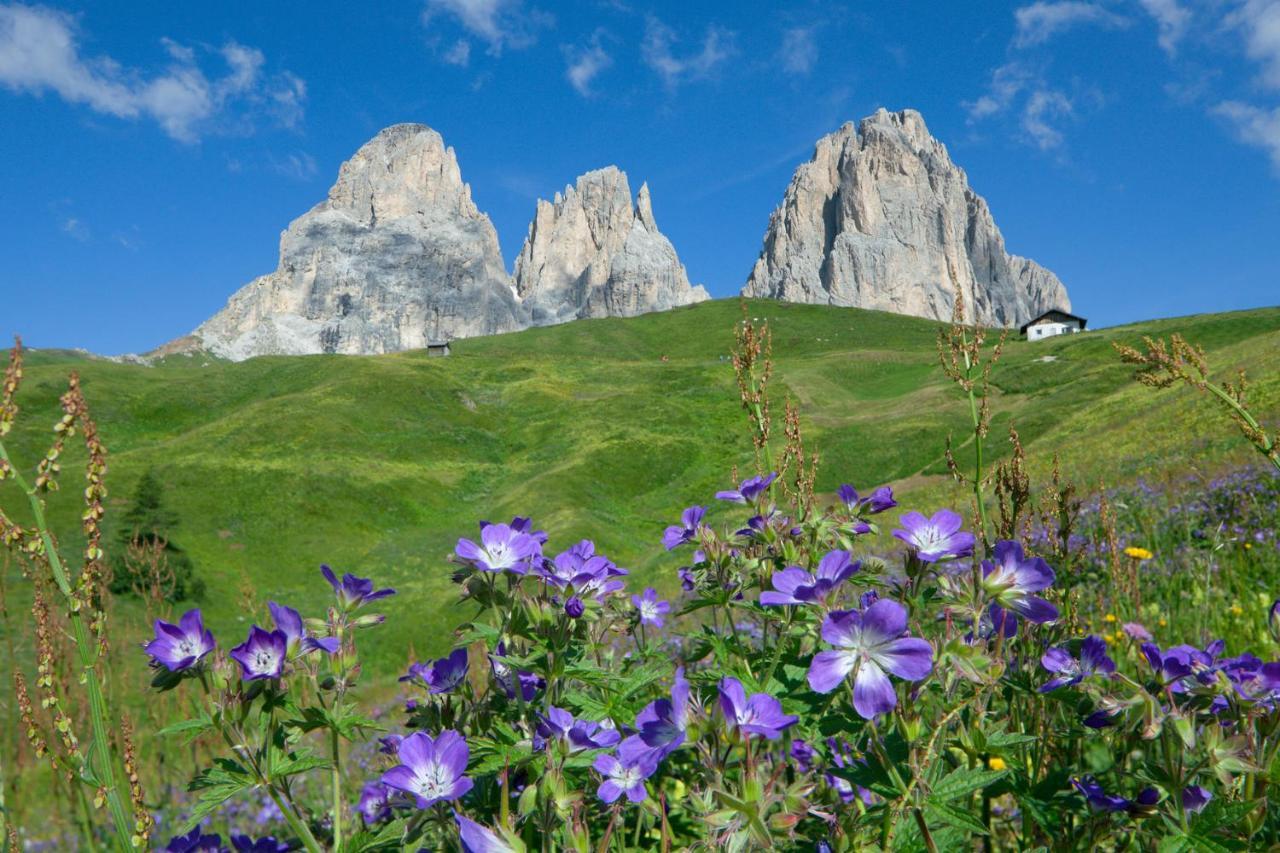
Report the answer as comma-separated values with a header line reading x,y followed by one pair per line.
x,y
397,255
592,253
882,218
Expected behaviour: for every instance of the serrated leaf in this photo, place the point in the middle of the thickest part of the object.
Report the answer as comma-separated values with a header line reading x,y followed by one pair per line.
x,y
963,781
952,816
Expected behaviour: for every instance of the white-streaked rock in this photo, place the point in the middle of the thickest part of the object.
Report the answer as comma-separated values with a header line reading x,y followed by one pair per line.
x,y
397,255
591,253
882,218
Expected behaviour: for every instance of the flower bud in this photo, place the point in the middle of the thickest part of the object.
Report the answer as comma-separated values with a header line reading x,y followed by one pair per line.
x,y
369,620
574,608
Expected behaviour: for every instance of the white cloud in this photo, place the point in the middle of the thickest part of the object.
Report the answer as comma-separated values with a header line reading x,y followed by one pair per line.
x,y
76,229
498,23
459,54
1006,82
39,53
657,50
1039,115
1259,23
585,64
798,53
1254,126
299,165
1042,20
1171,19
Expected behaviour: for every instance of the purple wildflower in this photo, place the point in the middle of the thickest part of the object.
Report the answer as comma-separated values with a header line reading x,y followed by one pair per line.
x,y
750,489
1069,671
479,839
935,538
574,607
431,769
1273,620
179,647
289,622
760,714
262,655
265,844
1012,579
1137,631
440,676
686,531
524,524
375,802
353,591
1097,798
650,607
195,841
660,725
623,777
389,744
803,754
868,643
529,682
559,724
1195,798
793,585
878,501
501,549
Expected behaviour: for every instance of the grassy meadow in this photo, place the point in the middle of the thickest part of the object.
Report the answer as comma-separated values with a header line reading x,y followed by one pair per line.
x,y
600,428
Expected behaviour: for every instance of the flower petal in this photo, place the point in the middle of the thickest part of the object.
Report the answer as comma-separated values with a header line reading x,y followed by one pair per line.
x,y
828,670
873,692
909,657
884,620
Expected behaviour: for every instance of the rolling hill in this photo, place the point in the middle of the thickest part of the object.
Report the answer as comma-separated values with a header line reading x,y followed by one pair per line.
x,y
601,428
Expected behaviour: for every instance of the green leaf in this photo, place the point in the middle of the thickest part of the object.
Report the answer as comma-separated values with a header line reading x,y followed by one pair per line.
x,y
938,812
963,781
215,785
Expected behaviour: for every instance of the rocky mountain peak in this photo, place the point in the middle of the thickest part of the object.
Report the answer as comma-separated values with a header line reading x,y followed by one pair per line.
x,y
882,218
593,252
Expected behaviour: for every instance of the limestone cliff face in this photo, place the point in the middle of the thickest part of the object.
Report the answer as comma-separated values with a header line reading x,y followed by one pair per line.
x,y
397,255
592,253
882,218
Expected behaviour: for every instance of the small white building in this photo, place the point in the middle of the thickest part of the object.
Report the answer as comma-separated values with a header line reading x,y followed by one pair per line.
x,y
1052,323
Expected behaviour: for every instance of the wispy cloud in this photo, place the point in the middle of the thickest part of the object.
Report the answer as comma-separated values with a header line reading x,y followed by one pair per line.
x,y
584,64
39,53
799,52
1172,20
298,165
1041,115
1255,126
1042,20
658,51
500,24
75,229
1258,21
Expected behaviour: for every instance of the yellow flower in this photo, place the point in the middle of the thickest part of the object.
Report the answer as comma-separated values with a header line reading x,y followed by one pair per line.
x,y
1248,546
1138,553
995,762
1237,610
1110,617
1163,623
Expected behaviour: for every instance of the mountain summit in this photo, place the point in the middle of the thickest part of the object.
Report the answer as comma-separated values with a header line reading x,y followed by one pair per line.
x,y
882,218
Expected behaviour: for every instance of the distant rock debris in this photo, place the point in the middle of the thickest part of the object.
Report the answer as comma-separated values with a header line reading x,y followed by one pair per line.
x,y
882,218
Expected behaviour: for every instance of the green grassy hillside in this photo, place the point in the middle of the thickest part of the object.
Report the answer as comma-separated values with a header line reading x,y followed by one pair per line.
x,y
601,428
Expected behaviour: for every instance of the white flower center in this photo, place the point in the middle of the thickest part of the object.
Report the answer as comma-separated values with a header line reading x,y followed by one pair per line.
x,y
264,660
187,648
626,777
648,609
434,781
930,539
499,556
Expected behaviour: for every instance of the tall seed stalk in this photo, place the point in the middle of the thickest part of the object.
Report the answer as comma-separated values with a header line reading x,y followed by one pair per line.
x,y
82,593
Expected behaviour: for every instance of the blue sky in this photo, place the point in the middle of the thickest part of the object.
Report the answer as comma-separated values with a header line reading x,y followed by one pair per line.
x,y
151,153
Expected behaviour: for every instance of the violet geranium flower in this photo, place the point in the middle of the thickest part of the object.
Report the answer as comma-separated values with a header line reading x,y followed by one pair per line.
x,y
265,844
353,591
623,777
760,714
501,549
182,646
750,489
878,501
375,803
660,726
1068,671
289,621
479,839
529,683
195,841
650,607
935,538
793,585
1097,798
431,769
1195,798
559,724
263,655
440,676
868,643
686,531
1012,578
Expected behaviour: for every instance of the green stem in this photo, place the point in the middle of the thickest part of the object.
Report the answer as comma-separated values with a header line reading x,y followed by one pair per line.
x,y
296,823
336,747
977,447
104,772
1268,447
